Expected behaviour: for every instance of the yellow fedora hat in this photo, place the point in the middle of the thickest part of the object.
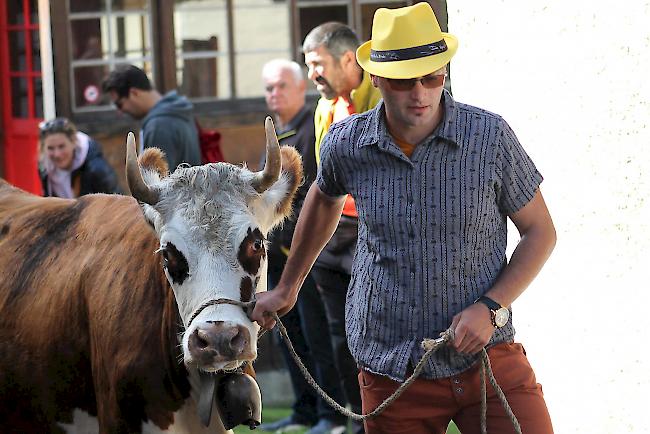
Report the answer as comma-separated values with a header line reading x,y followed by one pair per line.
x,y
406,43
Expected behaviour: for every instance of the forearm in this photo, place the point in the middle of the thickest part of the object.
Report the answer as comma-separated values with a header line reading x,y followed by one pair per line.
x,y
527,260
316,224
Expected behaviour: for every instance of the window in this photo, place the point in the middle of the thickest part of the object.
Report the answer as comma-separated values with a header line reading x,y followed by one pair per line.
x,y
24,59
202,48
222,45
261,33
104,34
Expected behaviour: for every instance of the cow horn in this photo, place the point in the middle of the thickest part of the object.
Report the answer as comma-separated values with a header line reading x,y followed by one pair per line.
x,y
139,189
263,180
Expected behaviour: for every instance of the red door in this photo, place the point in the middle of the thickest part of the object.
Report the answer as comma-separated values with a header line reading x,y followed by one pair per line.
x,y
21,92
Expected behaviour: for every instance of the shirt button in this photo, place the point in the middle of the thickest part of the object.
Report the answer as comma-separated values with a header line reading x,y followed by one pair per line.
x,y
459,390
456,381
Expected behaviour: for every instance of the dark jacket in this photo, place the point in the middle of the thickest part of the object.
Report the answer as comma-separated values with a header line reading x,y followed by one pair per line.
x,y
170,126
298,133
339,251
95,175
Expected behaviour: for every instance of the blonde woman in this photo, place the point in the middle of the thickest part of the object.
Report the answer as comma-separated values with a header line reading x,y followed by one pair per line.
x,y
71,163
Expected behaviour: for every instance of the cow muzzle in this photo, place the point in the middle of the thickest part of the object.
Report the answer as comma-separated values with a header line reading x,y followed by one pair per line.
x,y
217,342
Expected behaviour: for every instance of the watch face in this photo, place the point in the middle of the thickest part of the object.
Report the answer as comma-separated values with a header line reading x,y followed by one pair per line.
x,y
501,317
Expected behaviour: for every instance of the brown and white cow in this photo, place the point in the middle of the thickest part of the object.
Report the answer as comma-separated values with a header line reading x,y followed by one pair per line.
x,y
95,305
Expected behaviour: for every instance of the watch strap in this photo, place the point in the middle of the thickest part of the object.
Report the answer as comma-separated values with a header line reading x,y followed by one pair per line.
x,y
491,304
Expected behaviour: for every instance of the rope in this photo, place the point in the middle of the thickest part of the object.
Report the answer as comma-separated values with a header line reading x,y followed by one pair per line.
x,y
433,345
429,345
246,305
497,389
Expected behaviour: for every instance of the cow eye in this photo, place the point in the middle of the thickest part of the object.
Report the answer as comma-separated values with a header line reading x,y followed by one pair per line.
x,y
258,244
175,263
252,251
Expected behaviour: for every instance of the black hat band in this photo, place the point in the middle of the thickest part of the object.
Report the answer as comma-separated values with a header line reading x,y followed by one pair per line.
x,y
409,53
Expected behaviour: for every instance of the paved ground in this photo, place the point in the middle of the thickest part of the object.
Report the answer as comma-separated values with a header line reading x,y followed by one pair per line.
x,y
572,79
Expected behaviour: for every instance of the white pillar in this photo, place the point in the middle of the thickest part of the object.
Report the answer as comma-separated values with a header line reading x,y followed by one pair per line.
x,y
47,68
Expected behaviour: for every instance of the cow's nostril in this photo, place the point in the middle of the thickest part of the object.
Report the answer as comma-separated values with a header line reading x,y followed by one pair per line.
x,y
238,343
200,339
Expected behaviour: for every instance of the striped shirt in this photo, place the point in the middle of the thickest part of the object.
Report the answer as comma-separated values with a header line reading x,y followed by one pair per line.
x,y
432,229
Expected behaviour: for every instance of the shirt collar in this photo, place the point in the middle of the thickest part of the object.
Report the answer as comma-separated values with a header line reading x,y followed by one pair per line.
x,y
448,128
375,127
295,121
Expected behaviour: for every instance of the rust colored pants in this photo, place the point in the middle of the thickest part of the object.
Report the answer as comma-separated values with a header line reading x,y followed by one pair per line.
x,y
427,406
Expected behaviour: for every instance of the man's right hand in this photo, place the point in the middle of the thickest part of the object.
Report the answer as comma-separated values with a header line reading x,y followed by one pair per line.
x,y
319,211
275,300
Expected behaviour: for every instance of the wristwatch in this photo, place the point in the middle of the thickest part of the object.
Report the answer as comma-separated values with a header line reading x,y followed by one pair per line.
x,y
500,314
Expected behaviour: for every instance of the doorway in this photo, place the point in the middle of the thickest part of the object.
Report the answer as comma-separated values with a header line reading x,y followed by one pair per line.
x,y
21,93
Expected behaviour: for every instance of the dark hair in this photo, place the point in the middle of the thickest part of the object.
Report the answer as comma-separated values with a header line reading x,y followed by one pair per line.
x,y
336,37
124,78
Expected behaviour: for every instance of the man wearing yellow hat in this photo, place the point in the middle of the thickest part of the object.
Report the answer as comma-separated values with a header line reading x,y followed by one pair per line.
x,y
434,182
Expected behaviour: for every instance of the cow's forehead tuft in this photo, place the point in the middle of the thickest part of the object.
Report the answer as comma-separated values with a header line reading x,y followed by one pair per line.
x,y
205,189
209,198
211,179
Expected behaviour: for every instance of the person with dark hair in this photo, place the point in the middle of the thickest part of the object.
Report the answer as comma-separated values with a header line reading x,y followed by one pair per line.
x,y
435,182
167,120
345,89
71,163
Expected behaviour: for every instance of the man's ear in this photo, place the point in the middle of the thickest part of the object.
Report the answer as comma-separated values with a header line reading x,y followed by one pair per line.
x,y
373,78
348,58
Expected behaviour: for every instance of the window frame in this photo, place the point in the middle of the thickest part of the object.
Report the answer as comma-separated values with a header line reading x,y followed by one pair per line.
x,y
108,14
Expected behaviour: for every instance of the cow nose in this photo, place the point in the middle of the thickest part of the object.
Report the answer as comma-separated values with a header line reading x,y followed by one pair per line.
x,y
218,342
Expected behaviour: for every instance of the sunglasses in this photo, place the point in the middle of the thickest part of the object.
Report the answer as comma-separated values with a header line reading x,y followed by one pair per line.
x,y
57,125
405,84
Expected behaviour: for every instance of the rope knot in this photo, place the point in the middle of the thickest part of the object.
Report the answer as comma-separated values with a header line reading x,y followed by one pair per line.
x,y
433,344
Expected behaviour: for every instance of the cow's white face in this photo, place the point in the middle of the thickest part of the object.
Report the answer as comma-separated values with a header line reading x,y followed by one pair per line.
x,y
212,222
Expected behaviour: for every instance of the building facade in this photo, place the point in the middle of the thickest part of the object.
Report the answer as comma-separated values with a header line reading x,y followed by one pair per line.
x,y
54,55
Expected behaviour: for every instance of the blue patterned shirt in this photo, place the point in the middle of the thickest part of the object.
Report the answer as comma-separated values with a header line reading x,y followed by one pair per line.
x,y
432,229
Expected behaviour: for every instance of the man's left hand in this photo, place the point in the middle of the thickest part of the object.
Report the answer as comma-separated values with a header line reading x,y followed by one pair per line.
x,y
472,329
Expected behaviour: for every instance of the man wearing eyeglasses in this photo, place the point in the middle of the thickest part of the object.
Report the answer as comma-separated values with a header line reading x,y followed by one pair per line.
x,y
167,120
434,182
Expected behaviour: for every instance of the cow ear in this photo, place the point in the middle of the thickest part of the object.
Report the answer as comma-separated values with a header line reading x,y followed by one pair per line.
x,y
292,173
153,165
279,196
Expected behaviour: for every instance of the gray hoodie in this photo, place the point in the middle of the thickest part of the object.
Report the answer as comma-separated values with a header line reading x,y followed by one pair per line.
x,y
170,126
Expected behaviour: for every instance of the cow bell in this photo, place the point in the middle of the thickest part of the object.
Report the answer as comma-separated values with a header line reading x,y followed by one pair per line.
x,y
239,401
